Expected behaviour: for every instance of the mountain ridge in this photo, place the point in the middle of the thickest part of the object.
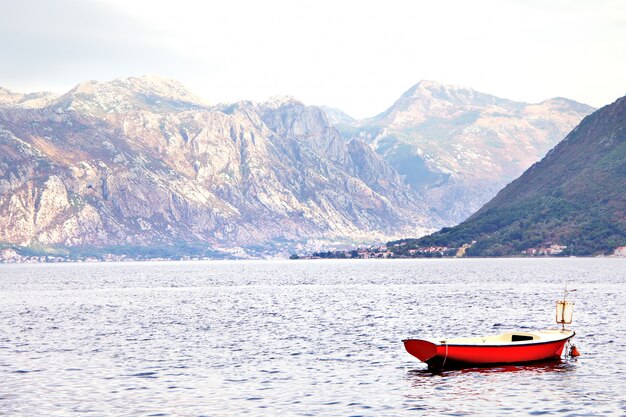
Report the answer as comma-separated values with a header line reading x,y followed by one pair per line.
x,y
123,95
247,174
142,162
458,147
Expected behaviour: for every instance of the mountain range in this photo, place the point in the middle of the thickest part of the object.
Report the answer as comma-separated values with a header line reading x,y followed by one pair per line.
x,y
572,202
458,147
142,164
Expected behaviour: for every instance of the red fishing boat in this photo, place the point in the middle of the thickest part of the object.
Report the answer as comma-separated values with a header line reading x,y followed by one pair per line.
x,y
506,348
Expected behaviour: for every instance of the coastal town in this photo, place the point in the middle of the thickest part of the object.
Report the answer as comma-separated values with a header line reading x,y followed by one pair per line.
x,y
400,251
393,251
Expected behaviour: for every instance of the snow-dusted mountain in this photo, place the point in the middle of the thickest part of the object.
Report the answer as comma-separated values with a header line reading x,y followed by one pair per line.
x,y
458,147
143,162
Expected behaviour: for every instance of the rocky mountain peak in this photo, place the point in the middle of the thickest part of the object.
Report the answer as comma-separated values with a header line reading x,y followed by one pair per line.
x,y
10,98
148,93
276,102
460,146
428,99
429,87
5,92
451,95
566,104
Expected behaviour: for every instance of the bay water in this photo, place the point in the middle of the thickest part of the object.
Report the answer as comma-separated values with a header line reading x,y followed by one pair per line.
x,y
301,338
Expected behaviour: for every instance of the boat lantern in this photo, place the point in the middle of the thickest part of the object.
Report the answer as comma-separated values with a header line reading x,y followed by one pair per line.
x,y
564,312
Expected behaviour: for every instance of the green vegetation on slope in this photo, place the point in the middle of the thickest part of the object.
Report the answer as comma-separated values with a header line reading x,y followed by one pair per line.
x,y
575,197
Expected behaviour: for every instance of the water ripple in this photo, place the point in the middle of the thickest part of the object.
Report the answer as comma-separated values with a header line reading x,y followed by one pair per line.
x,y
300,338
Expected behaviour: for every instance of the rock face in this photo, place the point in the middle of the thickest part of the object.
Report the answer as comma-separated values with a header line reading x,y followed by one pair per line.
x,y
571,202
142,161
458,147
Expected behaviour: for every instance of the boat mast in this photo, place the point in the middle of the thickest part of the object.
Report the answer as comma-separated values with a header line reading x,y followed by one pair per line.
x,y
564,309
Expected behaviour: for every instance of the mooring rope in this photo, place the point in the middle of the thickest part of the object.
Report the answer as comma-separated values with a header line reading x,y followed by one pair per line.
x,y
445,357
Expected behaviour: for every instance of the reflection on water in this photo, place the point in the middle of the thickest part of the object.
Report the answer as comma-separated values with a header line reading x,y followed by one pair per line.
x,y
539,388
300,338
552,365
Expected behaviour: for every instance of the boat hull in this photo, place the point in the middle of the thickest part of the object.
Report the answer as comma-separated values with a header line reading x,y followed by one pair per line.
x,y
438,355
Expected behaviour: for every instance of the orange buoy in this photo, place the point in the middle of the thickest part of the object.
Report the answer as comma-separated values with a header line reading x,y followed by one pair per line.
x,y
574,352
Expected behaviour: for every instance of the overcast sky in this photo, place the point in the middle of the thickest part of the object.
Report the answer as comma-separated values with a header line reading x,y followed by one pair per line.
x,y
358,56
